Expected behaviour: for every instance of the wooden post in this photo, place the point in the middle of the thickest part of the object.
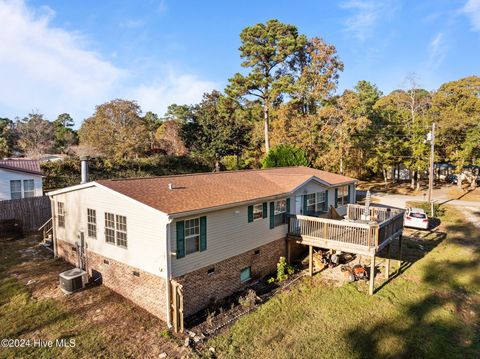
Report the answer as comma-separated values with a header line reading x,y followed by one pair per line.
x,y
372,276
387,263
400,249
310,261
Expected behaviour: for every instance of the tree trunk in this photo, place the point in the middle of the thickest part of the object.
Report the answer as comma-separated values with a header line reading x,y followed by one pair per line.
x,y
412,178
459,180
385,180
265,125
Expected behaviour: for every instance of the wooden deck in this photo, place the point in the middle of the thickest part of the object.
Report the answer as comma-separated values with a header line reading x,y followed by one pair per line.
x,y
353,234
357,233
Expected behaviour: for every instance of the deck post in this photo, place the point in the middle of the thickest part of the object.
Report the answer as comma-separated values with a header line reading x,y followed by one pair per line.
x,y
387,263
310,261
400,249
372,276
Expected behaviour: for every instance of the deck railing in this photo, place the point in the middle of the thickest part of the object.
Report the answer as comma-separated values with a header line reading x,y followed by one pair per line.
x,y
356,212
371,235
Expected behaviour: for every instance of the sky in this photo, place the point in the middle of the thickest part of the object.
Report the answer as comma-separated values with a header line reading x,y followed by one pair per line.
x,y
70,56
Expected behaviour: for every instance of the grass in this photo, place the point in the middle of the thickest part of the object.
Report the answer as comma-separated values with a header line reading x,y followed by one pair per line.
x,y
430,310
102,323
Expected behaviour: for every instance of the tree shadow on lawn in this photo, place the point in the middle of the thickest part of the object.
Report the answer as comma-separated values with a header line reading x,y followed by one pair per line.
x,y
440,318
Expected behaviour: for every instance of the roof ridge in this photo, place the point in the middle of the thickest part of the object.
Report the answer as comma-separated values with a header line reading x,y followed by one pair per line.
x,y
204,173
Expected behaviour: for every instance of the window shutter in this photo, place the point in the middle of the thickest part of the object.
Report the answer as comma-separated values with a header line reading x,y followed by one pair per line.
x,y
325,205
304,204
272,215
288,209
203,233
264,211
336,197
180,239
348,194
250,214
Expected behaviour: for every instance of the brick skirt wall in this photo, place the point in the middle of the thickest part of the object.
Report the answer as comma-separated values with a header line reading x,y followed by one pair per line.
x,y
201,288
146,290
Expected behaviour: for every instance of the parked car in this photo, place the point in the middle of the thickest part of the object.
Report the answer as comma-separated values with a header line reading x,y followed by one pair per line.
x,y
415,218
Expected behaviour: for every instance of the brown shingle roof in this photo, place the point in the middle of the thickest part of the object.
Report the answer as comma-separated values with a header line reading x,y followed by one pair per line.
x,y
207,190
29,166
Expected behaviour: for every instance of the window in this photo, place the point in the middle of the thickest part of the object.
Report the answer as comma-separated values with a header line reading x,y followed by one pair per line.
x,y
109,228
28,188
92,223
211,271
61,214
310,199
116,229
280,212
16,189
257,211
320,202
342,195
245,274
121,224
192,235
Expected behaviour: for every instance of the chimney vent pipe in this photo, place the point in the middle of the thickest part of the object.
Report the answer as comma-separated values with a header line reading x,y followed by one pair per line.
x,y
84,168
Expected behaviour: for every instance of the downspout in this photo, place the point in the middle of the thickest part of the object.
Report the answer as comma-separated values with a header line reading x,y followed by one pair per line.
x,y
169,274
54,229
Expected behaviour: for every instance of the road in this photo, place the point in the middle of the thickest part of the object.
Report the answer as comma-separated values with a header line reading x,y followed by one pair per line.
x,y
470,209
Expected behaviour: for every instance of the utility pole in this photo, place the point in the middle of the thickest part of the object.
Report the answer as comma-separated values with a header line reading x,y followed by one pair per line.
x,y
431,138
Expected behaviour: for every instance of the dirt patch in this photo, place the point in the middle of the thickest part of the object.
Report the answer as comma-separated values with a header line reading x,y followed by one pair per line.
x,y
124,329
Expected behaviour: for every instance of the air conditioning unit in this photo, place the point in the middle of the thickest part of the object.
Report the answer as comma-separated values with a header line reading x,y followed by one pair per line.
x,y
73,280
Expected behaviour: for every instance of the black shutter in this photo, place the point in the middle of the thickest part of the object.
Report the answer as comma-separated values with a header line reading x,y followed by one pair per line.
x,y
180,239
250,214
264,213
272,215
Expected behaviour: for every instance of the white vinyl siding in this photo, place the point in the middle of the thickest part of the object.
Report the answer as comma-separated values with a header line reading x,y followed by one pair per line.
x,y
145,228
6,178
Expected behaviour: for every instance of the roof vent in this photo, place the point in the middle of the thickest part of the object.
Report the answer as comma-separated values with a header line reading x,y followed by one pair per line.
x,y
170,186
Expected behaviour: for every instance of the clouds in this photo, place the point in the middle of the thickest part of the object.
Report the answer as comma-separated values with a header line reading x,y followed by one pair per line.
x,y
437,50
45,67
172,87
472,10
365,14
50,69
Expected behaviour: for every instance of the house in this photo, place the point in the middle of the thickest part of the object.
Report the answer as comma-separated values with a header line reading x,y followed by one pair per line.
x,y
188,239
20,178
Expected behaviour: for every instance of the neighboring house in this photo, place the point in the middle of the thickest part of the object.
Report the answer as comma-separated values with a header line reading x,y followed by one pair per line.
x,y
196,238
20,178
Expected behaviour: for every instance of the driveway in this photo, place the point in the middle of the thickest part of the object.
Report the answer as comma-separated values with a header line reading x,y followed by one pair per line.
x,y
399,200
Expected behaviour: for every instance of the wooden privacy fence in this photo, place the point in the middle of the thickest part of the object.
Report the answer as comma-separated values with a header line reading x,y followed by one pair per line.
x,y
31,212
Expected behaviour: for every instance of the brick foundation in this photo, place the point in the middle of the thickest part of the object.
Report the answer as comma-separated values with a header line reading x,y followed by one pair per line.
x,y
201,288
146,290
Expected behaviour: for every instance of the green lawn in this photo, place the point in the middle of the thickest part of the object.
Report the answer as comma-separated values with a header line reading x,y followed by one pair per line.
x,y
430,310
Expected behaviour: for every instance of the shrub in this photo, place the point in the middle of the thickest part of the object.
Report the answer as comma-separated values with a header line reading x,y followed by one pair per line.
x,y
284,270
284,156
